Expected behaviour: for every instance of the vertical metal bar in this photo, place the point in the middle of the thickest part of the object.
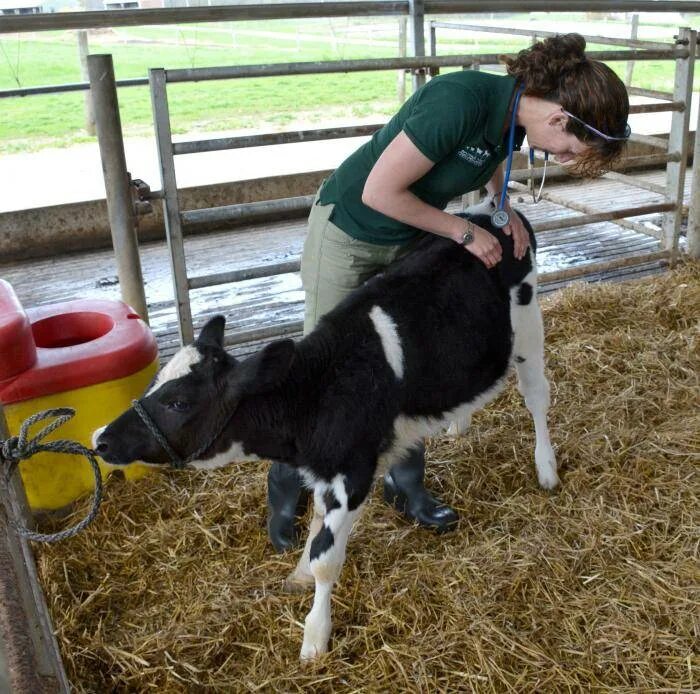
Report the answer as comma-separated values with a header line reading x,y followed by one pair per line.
x,y
694,205
434,71
83,51
120,205
26,631
401,74
678,140
171,204
633,35
416,11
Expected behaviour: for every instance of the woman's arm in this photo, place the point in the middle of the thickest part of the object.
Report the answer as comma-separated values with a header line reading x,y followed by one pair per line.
x,y
386,191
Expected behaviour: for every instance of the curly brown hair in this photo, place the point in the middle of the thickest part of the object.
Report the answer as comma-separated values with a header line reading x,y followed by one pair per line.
x,y
558,70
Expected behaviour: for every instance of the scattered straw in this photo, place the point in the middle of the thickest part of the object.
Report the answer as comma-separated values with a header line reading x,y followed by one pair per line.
x,y
593,587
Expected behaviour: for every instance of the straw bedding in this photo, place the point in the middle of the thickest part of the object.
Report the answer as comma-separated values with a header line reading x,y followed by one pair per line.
x,y
593,587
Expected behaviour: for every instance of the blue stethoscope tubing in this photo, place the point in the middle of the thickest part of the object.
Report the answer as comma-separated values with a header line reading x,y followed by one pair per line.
x,y
499,217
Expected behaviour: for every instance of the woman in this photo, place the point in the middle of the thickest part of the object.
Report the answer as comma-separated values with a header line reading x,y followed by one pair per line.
x,y
449,138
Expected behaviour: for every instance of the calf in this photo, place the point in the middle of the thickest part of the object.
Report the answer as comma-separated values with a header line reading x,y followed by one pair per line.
x,y
424,344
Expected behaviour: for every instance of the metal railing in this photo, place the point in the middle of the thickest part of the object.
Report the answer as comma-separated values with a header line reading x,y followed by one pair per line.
x,y
418,66
291,10
177,219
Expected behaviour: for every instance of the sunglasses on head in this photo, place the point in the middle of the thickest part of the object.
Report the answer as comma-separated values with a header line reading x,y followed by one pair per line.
x,y
608,138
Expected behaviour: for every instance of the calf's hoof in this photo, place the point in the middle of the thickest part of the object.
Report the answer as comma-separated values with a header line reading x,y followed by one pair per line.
x,y
311,652
547,470
548,480
317,632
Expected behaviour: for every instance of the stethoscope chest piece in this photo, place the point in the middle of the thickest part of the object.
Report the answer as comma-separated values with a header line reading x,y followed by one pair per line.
x,y
500,218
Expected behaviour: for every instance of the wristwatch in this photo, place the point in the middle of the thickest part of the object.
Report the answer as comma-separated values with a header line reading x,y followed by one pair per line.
x,y
468,235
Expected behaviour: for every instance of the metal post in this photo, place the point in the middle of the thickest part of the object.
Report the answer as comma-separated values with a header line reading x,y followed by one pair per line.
x,y
401,74
120,205
677,139
83,51
416,11
29,656
633,35
171,205
694,206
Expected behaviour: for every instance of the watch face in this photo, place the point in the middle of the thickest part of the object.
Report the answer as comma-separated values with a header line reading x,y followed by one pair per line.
x,y
500,218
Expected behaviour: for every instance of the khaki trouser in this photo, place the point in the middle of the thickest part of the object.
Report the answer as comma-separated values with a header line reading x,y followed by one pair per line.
x,y
334,263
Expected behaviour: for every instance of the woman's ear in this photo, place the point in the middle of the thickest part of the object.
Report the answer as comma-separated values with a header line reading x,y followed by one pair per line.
x,y
558,120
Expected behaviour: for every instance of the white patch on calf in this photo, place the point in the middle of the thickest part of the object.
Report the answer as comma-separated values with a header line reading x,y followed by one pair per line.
x,y
234,454
389,335
335,516
96,435
180,365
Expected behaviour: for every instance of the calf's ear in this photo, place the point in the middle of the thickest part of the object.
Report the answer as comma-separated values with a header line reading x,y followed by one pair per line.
x,y
266,369
212,334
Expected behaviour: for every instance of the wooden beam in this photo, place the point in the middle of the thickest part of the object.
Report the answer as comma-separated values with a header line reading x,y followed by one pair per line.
x,y
29,651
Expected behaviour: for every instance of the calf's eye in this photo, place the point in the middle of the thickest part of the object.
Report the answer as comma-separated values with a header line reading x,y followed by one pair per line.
x,y
179,405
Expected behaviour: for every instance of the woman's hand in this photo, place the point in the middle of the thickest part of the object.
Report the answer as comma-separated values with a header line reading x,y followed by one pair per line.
x,y
485,246
516,229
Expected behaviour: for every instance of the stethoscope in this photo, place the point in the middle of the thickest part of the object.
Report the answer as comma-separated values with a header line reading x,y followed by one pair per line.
x,y
536,197
499,217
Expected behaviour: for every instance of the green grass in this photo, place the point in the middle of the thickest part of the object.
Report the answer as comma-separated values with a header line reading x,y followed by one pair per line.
x,y
31,123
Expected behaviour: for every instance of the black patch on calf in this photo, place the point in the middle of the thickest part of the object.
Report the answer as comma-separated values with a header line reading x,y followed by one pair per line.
x,y
323,541
330,501
524,294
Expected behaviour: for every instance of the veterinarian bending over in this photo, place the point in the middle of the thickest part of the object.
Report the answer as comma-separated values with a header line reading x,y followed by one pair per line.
x,y
449,138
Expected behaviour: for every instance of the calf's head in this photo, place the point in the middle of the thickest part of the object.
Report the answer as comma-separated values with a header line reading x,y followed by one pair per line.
x,y
192,402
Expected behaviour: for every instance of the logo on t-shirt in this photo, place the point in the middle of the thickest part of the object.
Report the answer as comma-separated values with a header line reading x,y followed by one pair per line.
x,y
474,155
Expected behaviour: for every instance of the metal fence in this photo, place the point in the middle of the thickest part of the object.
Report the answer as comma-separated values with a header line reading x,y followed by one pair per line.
x,y
682,52
120,199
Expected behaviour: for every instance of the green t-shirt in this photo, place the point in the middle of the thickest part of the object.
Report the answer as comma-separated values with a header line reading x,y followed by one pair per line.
x,y
457,121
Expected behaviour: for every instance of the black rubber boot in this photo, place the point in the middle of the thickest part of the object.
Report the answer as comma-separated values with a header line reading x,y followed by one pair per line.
x,y
403,488
287,499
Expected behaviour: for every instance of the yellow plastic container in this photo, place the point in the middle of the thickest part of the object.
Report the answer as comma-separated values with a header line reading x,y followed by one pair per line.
x,y
93,356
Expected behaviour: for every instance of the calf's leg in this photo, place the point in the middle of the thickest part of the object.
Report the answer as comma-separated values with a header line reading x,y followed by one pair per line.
x,y
528,350
301,579
326,558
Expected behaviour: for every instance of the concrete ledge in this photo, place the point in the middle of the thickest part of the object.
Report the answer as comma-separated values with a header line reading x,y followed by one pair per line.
x,y
83,226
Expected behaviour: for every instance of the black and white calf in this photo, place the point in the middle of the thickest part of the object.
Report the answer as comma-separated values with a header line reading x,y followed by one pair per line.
x,y
419,347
